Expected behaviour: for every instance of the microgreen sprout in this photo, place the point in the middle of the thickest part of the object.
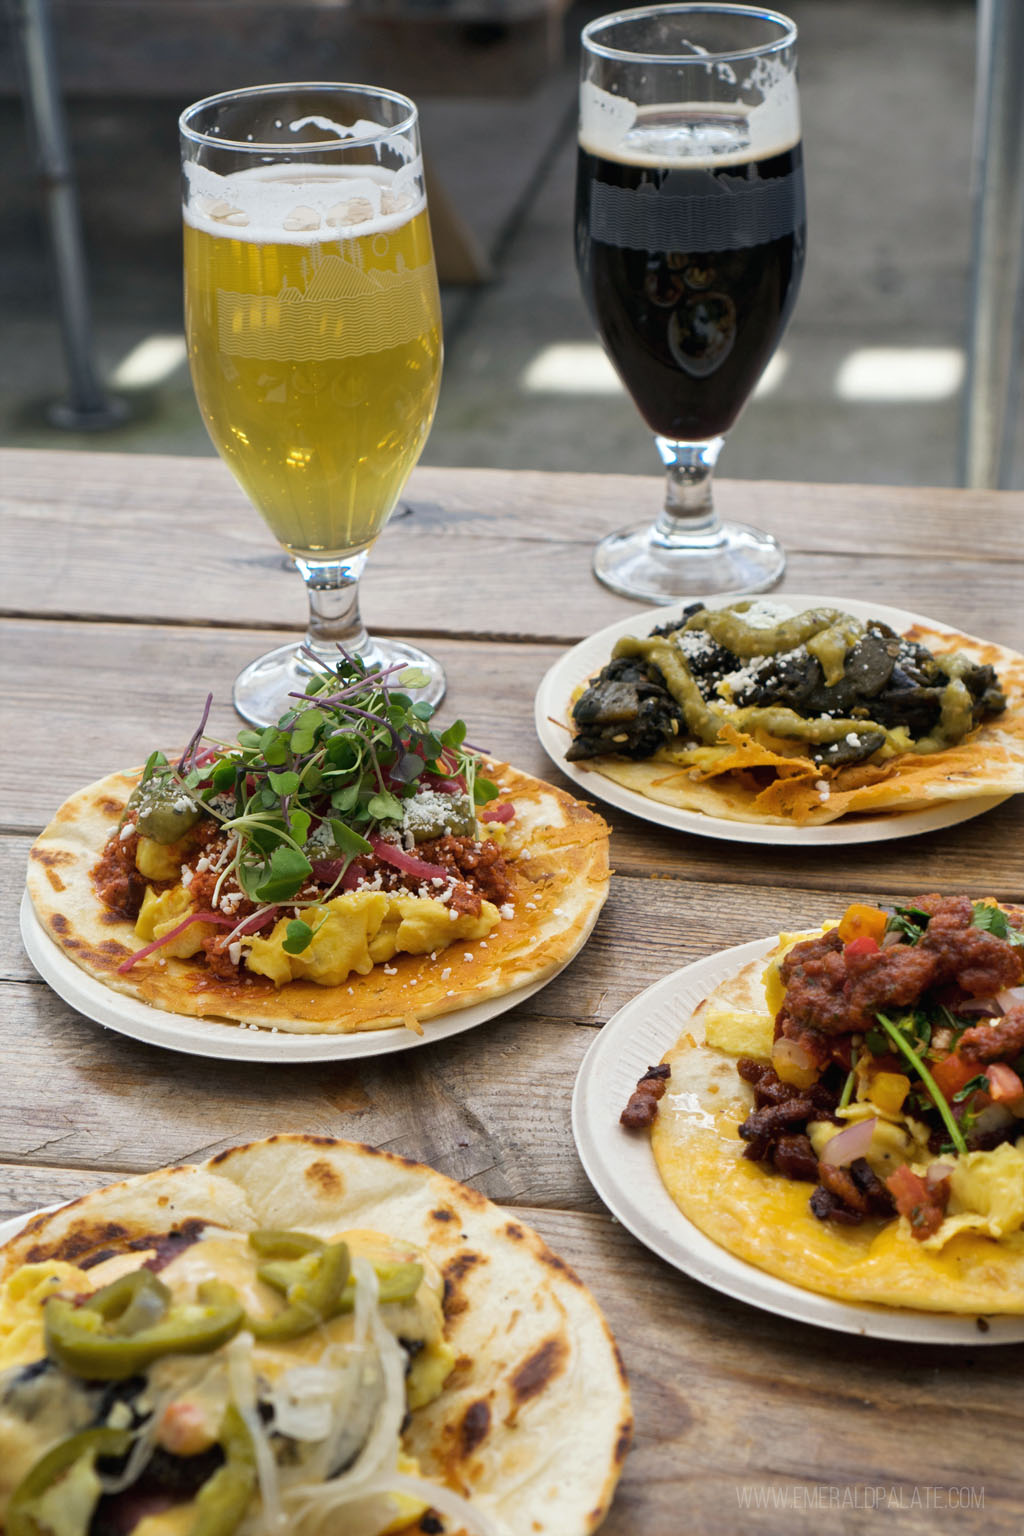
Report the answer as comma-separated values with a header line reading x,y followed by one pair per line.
x,y
299,801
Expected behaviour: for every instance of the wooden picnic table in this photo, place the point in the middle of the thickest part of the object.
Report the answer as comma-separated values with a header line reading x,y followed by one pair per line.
x,y
132,585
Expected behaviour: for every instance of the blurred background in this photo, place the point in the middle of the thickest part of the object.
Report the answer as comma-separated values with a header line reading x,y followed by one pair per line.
x,y
866,387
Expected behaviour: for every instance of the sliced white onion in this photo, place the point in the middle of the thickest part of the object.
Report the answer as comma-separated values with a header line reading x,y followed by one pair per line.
x,y
991,1007
1009,997
303,1400
445,1501
242,1377
794,1063
850,1144
994,1117
937,1172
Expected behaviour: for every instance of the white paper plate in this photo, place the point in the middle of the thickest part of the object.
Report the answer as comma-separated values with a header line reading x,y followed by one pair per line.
x,y
552,718
238,1042
621,1167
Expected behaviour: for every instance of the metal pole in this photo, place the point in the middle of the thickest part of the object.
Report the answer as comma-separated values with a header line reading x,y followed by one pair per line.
x,y
88,406
997,273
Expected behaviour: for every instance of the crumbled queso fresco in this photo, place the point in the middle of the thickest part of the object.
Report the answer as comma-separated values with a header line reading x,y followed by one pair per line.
x,y
765,613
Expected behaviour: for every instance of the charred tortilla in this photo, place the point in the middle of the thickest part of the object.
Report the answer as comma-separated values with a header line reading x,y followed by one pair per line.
x,y
762,1217
557,855
772,781
532,1421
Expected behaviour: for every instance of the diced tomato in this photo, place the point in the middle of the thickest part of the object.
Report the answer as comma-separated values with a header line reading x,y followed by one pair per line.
x,y
907,1188
952,1073
865,945
1004,1084
860,921
924,1208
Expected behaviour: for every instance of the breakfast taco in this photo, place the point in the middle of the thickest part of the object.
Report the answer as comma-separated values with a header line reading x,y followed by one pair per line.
x,y
300,1335
349,869
848,1113
754,711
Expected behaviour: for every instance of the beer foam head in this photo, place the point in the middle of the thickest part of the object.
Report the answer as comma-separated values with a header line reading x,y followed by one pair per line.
x,y
699,132
302,203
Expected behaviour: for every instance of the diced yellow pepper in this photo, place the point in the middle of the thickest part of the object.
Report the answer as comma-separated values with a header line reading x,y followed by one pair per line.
x,y
859,922
887,1090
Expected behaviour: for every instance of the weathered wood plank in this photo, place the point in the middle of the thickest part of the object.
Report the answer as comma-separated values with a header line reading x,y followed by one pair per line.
x,y
491,1105
112,534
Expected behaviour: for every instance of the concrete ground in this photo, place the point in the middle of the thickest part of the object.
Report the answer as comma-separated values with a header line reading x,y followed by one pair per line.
x,y
887,95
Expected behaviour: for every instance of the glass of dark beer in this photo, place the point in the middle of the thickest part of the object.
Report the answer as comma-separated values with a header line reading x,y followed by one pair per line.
x,y
690,235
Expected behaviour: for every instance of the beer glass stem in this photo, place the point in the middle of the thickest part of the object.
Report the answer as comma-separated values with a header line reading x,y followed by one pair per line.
x,y
689,511
332,587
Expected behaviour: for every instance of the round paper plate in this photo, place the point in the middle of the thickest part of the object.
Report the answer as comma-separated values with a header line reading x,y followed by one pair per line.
x,y
228,1041
554,702
621,1167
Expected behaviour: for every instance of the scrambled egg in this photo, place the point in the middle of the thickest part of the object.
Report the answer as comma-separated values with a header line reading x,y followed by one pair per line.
x,y
352,932
750,1031
738,1032
359,930
160,861
160,913
986,1194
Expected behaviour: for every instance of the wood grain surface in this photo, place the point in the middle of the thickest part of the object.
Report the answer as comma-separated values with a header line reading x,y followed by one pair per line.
x,y
132,586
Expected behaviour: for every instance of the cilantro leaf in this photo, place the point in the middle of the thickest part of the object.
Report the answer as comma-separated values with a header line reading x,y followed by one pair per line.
x,y
993,920
981,1081
910,922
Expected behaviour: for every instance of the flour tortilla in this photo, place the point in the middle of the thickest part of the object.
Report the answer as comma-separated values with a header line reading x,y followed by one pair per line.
x,y
535,1420
764,1218
990,761
557,850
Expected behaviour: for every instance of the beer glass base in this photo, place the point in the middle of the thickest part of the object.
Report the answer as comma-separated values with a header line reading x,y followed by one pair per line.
x,y
263,690
638,562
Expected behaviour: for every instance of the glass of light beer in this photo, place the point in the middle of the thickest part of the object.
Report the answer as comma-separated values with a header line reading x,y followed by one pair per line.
x,y
314,332
690,236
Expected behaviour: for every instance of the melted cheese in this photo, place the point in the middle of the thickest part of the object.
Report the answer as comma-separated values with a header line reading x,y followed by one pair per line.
x,y
199,1387
22,1299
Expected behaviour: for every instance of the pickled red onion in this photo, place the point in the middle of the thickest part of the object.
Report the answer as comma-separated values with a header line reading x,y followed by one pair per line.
x,y
390,853
193,917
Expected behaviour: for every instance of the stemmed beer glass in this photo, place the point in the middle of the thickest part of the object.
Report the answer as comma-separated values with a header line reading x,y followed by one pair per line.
x,y
314,334
690,234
